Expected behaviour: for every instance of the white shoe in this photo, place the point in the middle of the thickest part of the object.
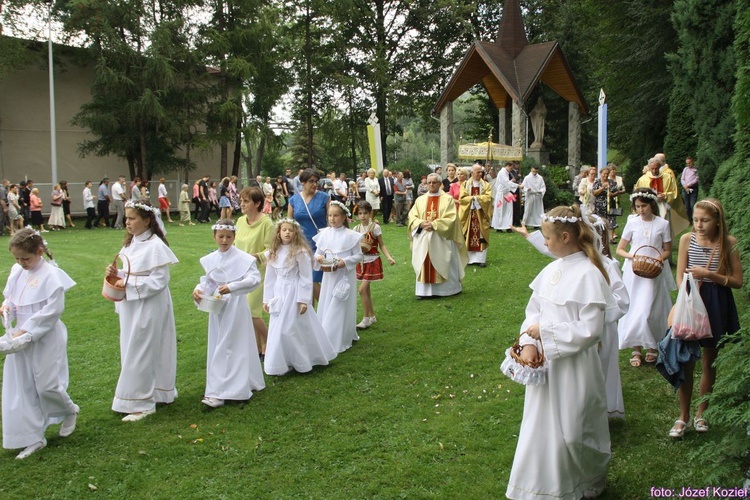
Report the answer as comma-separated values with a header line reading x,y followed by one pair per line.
x,y
135,417
213,402
364,323
69,424
373,320
31,449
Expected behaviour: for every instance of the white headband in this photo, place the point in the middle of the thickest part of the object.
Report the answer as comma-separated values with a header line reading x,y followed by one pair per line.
x,y
287,220
343,207
37,233
571,220
597,221
139,206
644,195
224,227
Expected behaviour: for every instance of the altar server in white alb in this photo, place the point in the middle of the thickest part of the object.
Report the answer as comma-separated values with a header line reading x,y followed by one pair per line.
x,y
502,217
438,251
233,368
564,446
148,342
338,246
296,338
35,372
534,189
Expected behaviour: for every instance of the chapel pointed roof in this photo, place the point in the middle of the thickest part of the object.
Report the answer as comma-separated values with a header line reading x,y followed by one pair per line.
x,y
511,68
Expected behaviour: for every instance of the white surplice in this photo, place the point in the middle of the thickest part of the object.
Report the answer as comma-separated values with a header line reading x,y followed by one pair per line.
x,y
645,323
534,189
502,215
295,341
337,307
35,380
233,368
564,446
148,341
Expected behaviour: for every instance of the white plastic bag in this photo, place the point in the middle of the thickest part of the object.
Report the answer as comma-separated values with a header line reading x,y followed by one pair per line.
x,y
690,320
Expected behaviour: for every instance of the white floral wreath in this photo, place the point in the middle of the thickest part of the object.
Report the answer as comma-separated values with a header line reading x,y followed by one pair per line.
x,y
287,220
343,207
571,219
597,221
139,206
223,227
651,196
37,233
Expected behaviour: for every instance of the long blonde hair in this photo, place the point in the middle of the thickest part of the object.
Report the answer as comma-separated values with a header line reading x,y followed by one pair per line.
x,y
298,243
580,232
714,208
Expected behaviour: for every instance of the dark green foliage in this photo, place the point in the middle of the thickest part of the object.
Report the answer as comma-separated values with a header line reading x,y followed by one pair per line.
x,y
681,140
705,66
558,187
729,405
15,54
729,409
628,41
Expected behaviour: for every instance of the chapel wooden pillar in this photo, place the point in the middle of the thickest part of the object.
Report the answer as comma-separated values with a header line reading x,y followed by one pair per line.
x,y
518,127
502,137
574,135
446,133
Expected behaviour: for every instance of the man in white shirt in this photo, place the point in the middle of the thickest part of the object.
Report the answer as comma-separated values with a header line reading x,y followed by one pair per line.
x,y
340,188
119,199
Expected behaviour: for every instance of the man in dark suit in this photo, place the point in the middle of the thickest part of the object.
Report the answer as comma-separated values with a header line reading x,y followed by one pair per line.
x,y
386,195
515,176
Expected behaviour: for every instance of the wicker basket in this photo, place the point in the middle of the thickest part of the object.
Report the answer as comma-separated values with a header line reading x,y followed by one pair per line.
x,y
110,290
646,266
523,372
328,264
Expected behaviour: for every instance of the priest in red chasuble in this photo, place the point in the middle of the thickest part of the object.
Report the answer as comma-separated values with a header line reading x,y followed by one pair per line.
x,y
475,212
438,251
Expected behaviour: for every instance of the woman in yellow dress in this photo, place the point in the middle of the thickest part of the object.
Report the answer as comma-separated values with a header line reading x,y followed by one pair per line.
x,y
254,234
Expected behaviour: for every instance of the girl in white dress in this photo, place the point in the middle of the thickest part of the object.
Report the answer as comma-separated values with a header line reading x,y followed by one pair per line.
x,y
645,323
296,339
337,307
35,377
608,349
148,341
232,367
564,446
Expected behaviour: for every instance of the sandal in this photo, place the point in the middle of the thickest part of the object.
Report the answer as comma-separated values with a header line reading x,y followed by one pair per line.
x,y
652,356
678,432
635,359
700,424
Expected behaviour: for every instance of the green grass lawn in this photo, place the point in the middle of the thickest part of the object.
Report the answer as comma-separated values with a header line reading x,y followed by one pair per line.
x,y
417,408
